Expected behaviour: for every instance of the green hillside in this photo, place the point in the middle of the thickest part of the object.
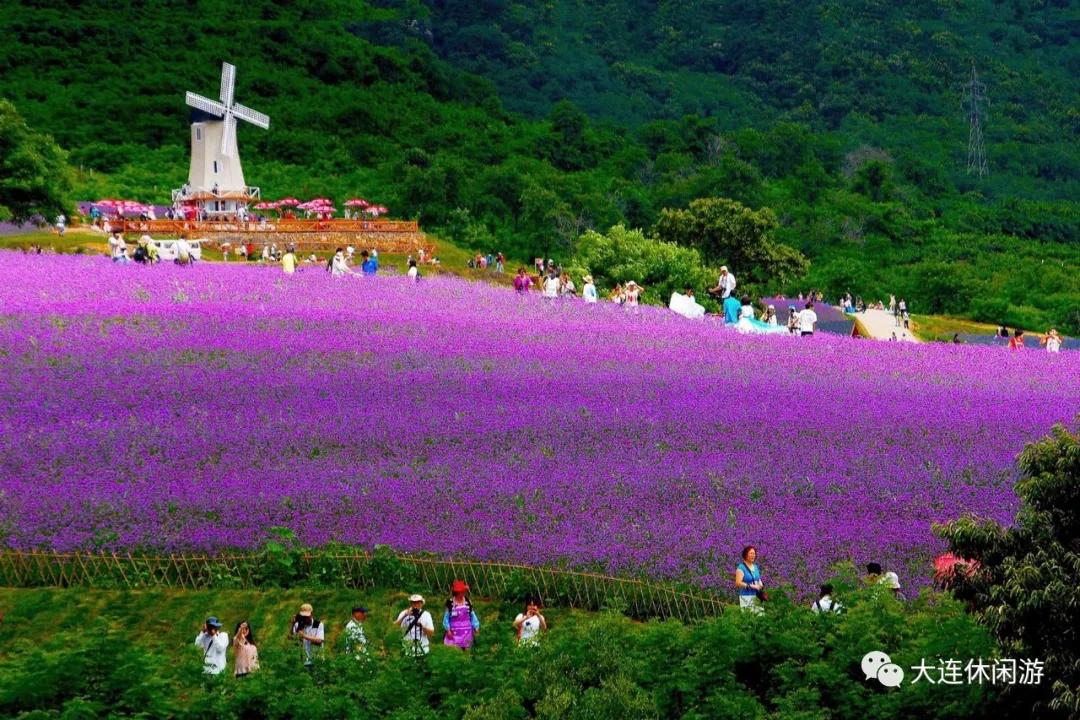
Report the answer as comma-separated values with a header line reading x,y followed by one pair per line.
x,y
844,119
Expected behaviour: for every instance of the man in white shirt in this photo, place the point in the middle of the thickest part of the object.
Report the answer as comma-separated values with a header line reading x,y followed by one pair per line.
x,y
418,626
309,629
825,602
807,320
213,643
183,252
355,638
725,285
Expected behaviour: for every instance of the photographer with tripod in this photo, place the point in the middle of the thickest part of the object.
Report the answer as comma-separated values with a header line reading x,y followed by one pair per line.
x,y
418,627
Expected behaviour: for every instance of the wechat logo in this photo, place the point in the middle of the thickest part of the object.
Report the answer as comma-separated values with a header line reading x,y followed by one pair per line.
x,y
879,665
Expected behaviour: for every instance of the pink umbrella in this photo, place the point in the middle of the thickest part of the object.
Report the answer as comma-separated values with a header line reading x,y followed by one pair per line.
x,y
357,202
287,202
265,206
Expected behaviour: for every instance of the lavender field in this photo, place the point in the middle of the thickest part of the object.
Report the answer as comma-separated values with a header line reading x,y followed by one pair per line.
x,y
168,408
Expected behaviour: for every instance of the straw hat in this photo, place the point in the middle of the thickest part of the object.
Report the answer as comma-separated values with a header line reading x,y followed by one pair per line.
x,y
416,598
305,610
587,278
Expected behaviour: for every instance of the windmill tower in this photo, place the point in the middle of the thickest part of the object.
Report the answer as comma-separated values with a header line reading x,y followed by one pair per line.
x,y
216,181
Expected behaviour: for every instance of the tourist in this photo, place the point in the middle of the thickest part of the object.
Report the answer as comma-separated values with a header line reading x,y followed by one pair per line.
x,y
746,310
892,581
901,310
530,623
245,653
551,285
265,253
414,272
873,573
374,261
489,261
183,252
522,282
770,316
825,602
1016,342
349,252
225,252
309,630
907,320
793,320
214,644
1052,341
732,308
460,621
500,263
117,247
588,291
288,261
618,295
748,581
355,638
807,320
893,338
418,627
337,266
61,224
956,339
725,285
633,294
566,286
1003,332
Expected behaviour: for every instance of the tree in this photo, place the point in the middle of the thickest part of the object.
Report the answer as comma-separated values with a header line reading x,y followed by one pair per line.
x,y
1027,586
659,267
34,175
726,231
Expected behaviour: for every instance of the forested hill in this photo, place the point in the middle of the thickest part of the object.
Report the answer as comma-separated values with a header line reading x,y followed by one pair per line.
x,y
843,118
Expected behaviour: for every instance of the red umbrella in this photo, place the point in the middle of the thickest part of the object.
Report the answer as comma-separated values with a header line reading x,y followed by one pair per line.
x,y
948,567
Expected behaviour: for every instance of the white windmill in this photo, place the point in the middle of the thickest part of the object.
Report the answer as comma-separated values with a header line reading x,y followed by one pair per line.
x,y
216,180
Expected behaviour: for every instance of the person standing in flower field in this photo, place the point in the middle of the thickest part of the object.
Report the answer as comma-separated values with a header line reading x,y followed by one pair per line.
x,y
748,581
460,621
551,285
1016,342
288,261
1052,341
213,644
633,294
566,286
530,623
725,285
588,291
807,320
522,282
355,638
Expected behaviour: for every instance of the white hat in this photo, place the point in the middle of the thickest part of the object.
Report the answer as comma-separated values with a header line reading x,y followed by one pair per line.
x,y
723,268
891,580
416,598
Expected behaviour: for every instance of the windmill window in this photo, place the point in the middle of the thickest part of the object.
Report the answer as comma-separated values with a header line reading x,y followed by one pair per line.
x,y
215,167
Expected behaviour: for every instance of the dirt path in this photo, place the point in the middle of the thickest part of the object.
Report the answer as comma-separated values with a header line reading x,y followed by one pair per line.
x,y
881,325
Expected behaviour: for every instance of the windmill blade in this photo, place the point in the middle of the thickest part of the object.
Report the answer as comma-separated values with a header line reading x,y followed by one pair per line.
x,y
228,83
252,116
228,136
205,104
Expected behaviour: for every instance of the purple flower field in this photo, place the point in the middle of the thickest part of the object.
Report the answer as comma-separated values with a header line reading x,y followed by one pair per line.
x,y
175,408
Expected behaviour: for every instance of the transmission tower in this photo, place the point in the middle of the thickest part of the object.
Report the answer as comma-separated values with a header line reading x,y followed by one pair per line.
x,y
974,100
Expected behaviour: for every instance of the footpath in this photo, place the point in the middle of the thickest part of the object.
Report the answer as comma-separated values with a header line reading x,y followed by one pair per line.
x,y
881,325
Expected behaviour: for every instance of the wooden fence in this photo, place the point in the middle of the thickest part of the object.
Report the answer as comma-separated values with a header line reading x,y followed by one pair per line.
x,y
356,569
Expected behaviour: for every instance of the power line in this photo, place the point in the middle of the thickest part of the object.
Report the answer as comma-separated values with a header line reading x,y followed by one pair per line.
x,y
974,100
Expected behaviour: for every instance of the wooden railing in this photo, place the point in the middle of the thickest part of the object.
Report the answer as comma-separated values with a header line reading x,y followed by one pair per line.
x,y
357,569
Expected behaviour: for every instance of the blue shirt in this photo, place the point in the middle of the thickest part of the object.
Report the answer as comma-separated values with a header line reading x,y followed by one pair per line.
x,y
750,574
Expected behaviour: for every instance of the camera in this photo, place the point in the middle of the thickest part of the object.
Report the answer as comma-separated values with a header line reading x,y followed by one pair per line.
x,y
416,612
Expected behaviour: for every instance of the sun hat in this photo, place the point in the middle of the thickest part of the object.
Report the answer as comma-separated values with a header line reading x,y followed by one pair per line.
x,y
213,622
416,598
305,610
631,283
459,586
723,268
587,278
891,580
772,307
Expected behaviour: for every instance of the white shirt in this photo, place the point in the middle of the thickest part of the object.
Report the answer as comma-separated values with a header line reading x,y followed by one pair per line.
x,y
727,284
413,273
116,245
1053,344
414,632
338,267
317,632
213,647
551,287
746,311
530,629
807,318
589,293
183,248
826,604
